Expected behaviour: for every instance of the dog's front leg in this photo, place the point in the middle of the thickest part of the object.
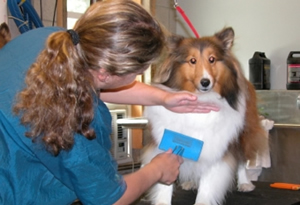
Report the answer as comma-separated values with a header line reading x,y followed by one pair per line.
x,y
216,181
161,194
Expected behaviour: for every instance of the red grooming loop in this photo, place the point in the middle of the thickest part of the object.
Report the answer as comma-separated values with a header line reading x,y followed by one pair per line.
x,y
185,18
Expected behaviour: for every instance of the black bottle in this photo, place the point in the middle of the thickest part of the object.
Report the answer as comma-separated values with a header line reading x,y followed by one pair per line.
x,y
259,71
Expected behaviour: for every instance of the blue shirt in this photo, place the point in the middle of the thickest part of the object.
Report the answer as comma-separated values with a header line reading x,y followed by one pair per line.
x,y
31,175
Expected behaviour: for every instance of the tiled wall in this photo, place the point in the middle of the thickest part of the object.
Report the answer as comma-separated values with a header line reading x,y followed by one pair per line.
x,y
280,105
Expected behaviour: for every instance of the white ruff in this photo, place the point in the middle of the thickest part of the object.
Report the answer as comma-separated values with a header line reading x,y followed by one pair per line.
x,y
216,130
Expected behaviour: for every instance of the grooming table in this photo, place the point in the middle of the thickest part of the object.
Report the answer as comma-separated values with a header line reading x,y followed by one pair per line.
x,y
262,195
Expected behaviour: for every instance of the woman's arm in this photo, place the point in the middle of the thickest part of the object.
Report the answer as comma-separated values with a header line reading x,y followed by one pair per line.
x,y
142,94
163,168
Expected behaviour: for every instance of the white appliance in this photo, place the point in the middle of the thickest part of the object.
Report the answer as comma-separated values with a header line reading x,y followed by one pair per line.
x,y
121,138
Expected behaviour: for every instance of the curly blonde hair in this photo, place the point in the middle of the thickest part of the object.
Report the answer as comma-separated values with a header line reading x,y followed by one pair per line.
x,y
117,35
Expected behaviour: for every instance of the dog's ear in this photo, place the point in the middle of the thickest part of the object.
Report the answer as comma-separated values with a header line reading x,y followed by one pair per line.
x,y
173,42
4,34
164,69
226,36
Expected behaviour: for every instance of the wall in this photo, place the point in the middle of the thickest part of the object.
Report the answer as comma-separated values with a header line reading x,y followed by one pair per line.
x,y
270,26
48,8
166,14
3,11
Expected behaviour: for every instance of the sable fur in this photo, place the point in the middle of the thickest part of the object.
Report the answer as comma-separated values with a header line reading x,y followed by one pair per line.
x,y
5,35
206,67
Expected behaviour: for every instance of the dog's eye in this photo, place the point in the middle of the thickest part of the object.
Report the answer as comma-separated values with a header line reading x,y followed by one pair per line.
x,y
193,61
211,59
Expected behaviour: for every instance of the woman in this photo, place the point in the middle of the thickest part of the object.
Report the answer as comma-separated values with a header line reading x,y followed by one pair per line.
x,y
54,145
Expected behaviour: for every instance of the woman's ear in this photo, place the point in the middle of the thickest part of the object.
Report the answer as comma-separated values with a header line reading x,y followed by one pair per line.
x,y
102,75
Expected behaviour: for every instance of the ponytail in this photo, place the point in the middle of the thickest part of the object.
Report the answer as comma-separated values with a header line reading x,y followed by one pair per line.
x,y
57,101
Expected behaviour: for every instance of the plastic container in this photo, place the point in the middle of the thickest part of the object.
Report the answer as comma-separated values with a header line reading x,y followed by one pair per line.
x,y
293,71
259,71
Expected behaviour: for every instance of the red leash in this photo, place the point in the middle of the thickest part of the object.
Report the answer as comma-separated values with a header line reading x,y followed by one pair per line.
x,y
186,18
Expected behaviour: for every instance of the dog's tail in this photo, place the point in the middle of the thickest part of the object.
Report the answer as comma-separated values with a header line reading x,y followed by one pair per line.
x,y
253,139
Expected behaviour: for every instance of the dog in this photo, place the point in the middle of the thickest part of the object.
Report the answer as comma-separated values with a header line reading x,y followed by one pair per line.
x,y
232,136
5,35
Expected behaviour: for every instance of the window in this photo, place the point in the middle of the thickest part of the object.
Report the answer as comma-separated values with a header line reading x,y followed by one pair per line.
x,y
75,8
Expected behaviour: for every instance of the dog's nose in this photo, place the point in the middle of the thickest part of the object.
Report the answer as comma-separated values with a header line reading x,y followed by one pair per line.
x,y
205,82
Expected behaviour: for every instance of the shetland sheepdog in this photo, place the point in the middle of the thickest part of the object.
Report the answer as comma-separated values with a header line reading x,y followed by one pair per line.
x,y
5,35
232,136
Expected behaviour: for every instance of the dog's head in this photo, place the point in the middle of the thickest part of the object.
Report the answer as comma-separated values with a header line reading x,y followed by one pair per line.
x,y
202,65
4,34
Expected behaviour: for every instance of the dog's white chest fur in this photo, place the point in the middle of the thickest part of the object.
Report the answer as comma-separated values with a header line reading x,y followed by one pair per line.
x,y
215,129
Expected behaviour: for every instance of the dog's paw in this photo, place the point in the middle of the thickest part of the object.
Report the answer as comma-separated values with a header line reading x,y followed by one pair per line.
x,y
162,204
199,204
188,185
246,187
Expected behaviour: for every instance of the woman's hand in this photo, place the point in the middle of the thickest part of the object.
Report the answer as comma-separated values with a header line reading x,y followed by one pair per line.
x,y
163,168
186,103
167,166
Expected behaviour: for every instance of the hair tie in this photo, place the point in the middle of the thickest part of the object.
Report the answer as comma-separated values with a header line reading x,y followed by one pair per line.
x,y
74,36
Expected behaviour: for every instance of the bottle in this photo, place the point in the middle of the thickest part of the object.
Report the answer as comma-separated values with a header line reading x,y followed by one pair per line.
x,y
259,71
293,71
